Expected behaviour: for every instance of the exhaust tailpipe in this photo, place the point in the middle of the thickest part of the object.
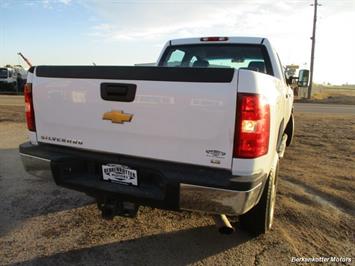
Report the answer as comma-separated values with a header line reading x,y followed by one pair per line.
x,y
223,224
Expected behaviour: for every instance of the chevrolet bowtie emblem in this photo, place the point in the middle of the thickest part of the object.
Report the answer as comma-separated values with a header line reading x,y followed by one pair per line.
x,y
117,117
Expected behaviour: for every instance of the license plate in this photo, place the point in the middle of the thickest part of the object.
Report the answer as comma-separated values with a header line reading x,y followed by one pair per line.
x,y
120,174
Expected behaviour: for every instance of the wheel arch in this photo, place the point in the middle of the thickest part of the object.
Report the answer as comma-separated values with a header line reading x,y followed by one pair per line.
x,y
280,134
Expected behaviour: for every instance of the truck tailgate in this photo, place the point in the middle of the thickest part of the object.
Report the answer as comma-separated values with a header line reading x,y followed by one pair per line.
x,y
181,115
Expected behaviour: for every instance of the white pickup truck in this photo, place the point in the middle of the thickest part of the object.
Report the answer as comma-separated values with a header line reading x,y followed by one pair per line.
x,y
201,131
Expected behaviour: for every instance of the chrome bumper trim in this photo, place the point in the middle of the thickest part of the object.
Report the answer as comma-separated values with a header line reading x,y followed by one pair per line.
x,y
218,201
37,166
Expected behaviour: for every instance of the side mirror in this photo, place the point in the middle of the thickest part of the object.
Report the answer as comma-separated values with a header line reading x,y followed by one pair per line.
x,y
303,78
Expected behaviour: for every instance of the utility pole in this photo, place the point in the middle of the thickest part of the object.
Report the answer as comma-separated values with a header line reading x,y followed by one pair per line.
x,y
313,38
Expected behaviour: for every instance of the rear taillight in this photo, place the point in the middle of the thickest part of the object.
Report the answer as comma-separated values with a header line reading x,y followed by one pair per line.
x,y
252,127
30,115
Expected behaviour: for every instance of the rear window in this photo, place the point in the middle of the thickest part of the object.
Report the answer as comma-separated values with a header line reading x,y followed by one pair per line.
x,y
238,56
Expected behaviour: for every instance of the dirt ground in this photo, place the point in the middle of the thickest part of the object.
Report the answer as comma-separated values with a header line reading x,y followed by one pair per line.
x,y
42,224
331,95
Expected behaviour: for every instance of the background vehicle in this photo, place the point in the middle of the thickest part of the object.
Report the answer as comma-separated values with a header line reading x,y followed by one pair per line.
x,y
12,79
8,79
202,131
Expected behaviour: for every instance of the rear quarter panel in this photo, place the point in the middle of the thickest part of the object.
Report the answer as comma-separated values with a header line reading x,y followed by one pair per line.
x,y
271,88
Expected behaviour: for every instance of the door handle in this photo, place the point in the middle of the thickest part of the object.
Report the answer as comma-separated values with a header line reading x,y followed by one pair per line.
x,y
119,92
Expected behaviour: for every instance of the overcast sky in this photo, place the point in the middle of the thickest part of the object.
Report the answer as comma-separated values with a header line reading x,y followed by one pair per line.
x,y
124,32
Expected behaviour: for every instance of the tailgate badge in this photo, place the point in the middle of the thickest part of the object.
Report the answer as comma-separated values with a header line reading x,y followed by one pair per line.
x,y
118,117
215,153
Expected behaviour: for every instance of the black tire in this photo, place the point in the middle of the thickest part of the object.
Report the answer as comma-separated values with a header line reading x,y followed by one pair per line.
x,y
290,130
260,218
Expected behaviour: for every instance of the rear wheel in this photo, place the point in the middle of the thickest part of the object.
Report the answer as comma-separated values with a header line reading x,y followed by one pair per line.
x,y
259,219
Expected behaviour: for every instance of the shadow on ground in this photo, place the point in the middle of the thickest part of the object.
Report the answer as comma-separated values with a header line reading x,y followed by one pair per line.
x,y
23,196
175,248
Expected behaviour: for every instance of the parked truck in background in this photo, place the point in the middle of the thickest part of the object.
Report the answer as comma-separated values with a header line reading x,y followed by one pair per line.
x,y
202,131
8,79
12,79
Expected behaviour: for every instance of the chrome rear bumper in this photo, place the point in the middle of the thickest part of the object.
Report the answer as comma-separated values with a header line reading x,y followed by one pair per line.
x,y
37,166
218,201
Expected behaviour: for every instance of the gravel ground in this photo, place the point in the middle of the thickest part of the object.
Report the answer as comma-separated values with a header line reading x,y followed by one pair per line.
x,y
42,224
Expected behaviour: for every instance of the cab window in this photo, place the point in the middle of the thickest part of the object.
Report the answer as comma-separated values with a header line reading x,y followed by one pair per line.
x,y
238,56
